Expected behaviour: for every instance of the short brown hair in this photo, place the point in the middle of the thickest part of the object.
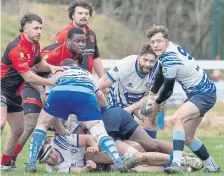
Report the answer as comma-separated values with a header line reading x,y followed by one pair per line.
x,y
79,3
29,18
156,29
146,49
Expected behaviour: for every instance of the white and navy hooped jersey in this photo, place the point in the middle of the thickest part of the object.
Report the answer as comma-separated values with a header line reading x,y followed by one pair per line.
x,y
178,64
130,85
75,79
72,154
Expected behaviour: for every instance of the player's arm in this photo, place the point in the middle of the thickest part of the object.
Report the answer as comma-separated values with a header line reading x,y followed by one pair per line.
x,y
137,105
90,166
169,73
113,75
98,67
43,66
159,79
101,98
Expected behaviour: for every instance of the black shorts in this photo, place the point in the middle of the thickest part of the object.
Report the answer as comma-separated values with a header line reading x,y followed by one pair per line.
x,y
31,100
12,101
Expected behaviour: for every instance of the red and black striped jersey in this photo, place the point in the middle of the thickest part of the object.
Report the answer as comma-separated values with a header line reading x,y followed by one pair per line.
x,y
91,52
18,57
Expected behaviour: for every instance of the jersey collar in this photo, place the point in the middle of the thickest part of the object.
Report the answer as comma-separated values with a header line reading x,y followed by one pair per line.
x,y
71,25
27,42
139,73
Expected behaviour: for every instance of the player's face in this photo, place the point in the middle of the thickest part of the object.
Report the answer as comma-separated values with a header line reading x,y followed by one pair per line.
x,y
81,16
158,43
33,30
53,158
146,63
78,43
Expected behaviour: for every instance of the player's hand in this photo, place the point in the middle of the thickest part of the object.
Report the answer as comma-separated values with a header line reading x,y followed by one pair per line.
x,y
155,107
92,150
54,69
91,165
128,109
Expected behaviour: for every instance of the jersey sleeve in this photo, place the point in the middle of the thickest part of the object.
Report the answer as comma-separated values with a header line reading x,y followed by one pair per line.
x,y
19,61
61,36
73,139
97,53
116,73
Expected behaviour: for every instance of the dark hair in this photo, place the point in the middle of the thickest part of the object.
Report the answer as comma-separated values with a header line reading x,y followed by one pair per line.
x,y
146,49
29,18
79,3
73,31
154,29
70,62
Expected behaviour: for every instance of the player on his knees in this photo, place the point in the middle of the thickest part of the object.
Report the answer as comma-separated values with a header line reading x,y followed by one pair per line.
x,y
177,64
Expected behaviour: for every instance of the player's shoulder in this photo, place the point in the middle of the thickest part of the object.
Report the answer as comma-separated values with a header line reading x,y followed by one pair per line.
x,y
14,45
52,46
171,56
129,60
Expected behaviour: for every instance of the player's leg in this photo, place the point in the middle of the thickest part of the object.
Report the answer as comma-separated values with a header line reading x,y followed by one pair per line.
x,y
54,107
32,106
15,121
149,144
3,112
203,103
39,135
188,117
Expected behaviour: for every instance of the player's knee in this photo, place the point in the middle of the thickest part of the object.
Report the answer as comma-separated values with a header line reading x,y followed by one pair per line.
x,y
98,129
17,132
3,123
189,140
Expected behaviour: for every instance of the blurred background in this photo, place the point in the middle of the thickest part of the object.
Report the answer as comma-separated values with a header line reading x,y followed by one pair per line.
x,y
120,26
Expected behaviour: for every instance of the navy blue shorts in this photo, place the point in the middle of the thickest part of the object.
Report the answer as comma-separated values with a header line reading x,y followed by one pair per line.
x,y
204,102
63,103
119,123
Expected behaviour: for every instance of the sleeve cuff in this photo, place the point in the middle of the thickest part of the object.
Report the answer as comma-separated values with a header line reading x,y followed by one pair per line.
x,y
110,77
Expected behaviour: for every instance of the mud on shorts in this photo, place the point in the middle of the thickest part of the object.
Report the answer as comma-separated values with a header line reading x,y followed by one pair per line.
x,y
31,100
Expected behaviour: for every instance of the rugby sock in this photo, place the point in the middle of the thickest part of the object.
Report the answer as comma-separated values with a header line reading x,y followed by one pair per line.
x,y
151,133
17,151
19,148
178,145
107,144
6,160
199,149
171,158
37,141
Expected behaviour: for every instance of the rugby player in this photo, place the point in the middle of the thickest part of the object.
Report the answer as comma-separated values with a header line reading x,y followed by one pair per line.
x,y
34,96
129,80
79,12
177,64
20,55
74,93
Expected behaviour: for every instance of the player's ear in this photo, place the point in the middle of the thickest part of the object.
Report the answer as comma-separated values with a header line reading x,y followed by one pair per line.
x,y
68,41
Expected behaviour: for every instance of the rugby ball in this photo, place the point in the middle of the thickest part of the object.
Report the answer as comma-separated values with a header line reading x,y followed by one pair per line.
x,y
146,107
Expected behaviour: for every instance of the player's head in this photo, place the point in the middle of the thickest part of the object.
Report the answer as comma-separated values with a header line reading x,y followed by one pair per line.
x,y
146,59
80,12
31,26
76,40
48,155
71,62
158,38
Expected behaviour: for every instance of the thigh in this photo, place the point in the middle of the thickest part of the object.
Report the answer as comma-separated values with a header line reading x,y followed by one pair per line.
x,y
58,104
45,120
31,100
85,106
3,109
186,112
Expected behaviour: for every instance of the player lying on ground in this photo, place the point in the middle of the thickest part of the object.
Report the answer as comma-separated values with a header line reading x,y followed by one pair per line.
x,y
68,154
177,64
73,93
